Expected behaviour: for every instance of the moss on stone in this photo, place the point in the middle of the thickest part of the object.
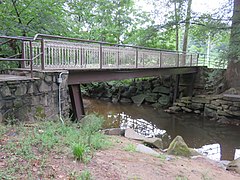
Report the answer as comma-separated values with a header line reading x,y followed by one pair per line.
x,y
40,114
179,148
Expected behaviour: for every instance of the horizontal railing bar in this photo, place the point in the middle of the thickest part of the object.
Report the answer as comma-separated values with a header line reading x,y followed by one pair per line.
x,y
17,38
13,59
104,43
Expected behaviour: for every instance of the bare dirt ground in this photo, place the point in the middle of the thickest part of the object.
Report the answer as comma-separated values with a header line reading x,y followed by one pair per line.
x,y
114,163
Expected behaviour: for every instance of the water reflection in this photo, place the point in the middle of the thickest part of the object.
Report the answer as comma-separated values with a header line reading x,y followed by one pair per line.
x,y
141,126
216,141
213,151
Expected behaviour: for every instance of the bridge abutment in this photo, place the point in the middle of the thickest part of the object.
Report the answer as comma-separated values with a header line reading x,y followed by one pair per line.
x,y
25,99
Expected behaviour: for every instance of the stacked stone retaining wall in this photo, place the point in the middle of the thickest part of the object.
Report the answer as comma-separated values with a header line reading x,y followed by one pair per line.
x,y
31,99
224,108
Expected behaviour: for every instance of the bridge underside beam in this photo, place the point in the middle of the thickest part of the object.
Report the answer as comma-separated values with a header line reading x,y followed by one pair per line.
x,y
99,75
76,101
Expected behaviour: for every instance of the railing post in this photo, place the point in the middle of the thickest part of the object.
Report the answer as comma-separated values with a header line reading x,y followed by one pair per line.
x,y
197,58
209,62
143,58
31,58
160,59
191,60
23,55
178,60
100,56
81,57
118,58
136,58
42,54
204,59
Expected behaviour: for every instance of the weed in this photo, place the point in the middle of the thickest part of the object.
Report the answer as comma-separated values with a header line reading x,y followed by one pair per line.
x,y
91,123
134,178
85,175
80,151
29,142
162,157
99,141
130,148
180,177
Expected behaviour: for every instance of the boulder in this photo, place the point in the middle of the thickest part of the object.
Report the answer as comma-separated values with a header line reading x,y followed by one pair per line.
x,y
186,109
210,112
194,152
114,131
153,142
203,100
115,99
174,109
132,89
197,112
126,94
138,99
223,120
146,85
131,134
151,97
234,113
156,105
164,100
234,166
125,100
161,89
196,106
178,147
179,104
211,106
146,150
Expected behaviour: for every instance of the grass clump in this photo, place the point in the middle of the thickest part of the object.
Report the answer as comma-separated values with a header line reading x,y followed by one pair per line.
x,y
80,151
130,148
85,175
28,143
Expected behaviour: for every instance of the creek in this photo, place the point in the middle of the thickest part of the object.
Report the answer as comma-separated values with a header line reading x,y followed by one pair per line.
x,y
216,141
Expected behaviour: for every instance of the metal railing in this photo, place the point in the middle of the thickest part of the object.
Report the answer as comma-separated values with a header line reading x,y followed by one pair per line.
x,y
212,61
15,57
56,52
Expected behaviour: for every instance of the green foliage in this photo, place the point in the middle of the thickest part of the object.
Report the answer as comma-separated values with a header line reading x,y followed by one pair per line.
x,y
85,175
80,151
49,136
162,157
130,148
180,177
91,123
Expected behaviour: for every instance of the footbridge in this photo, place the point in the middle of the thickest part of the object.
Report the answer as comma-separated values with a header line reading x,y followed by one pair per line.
x,y
92,61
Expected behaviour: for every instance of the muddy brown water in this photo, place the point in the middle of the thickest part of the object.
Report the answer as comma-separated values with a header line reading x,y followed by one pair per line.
x,y
218,142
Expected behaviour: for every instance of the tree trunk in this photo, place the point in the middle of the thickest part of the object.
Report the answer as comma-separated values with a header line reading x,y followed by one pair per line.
x,y
233,69
187,25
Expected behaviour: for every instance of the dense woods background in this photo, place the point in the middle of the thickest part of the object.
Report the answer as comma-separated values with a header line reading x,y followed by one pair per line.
x,y
170,24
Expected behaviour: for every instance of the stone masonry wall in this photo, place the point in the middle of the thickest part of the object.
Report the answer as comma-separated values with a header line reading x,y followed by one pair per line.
x,y
224,108
157,92
32,99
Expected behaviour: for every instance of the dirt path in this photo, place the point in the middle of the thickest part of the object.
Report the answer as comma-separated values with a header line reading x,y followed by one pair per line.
x,y
116,163
119,162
